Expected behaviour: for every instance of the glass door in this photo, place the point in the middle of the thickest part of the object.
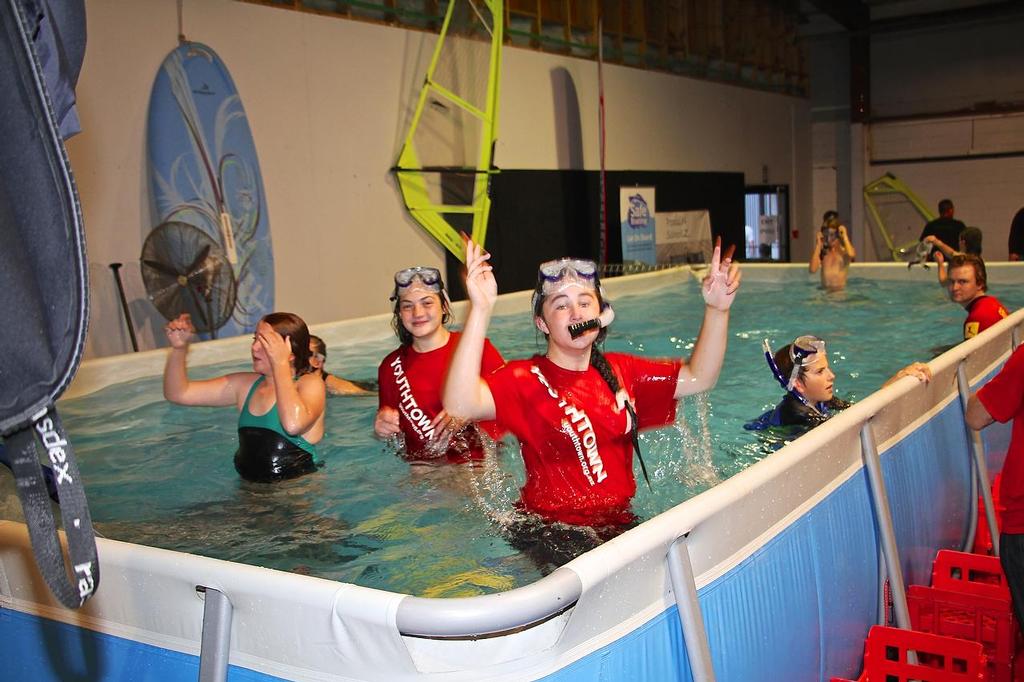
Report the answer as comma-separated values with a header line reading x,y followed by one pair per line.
x,y
767,223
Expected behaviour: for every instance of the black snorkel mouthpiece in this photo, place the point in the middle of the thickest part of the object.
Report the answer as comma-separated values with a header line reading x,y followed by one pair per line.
x,y
605,319
580,328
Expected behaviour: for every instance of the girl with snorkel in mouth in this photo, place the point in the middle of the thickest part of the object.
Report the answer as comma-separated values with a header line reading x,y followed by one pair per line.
x,y
576,410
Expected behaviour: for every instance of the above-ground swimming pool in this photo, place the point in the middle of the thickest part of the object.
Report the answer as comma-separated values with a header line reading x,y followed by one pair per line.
x,y
162,475
774,573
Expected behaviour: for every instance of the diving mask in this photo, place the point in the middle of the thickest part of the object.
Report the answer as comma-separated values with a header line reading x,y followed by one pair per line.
x,y
803,352
558,275
429,280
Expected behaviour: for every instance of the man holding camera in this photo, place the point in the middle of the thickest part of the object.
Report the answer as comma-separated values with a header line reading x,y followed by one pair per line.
x,y
832,253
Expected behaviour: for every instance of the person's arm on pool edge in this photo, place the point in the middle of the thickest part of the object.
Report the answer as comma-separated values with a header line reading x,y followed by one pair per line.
x,y
919,370
466,395
178,388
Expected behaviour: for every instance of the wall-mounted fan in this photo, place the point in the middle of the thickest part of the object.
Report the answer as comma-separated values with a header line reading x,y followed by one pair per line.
x,y
185,271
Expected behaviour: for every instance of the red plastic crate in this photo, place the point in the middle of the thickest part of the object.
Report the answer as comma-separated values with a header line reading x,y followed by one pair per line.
x,y
976,574
940,659
978,618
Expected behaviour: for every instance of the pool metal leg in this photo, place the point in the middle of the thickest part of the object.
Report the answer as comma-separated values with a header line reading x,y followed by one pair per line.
x,y
688,606
883,518
978,455
215,648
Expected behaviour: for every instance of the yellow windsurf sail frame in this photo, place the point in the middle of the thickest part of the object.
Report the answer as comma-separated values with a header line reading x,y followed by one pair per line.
x,y
886,185
410,170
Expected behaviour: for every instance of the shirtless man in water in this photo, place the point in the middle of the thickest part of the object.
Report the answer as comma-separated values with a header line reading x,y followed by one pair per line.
x,y
832,253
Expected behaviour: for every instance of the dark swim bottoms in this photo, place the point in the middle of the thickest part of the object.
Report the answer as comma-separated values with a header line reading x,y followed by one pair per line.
x,y
550,544
265,456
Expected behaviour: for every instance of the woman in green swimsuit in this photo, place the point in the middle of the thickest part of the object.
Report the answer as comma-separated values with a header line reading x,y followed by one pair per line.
x,y
280,402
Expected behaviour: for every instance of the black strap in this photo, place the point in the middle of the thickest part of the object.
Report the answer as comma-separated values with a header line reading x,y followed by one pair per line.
x,y
35,503
635,432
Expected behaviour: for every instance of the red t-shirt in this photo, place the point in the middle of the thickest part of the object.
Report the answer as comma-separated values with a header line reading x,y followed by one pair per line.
x,y
1003,397
411,382
982,313
576,446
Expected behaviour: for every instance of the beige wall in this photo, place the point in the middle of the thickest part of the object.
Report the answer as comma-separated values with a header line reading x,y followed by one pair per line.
x,y
327,100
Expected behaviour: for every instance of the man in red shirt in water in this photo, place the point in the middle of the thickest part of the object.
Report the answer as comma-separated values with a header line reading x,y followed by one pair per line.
x,y
1002,399
967,285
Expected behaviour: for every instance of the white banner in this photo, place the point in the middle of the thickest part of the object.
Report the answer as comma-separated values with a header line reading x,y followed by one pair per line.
x,y
683,237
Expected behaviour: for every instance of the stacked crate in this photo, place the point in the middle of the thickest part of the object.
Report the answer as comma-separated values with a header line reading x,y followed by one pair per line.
x,y
963,628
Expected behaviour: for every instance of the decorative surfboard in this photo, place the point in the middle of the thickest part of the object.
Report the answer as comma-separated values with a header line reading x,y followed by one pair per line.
x,y
204,173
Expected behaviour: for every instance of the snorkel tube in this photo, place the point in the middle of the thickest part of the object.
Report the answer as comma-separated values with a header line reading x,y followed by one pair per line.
x,y
783,380
602,321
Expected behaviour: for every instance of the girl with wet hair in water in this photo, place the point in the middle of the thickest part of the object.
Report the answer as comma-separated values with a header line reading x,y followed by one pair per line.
x,y
575,409
410,377
280,402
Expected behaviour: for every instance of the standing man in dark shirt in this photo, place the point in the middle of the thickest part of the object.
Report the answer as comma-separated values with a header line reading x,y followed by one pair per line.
x,y
1016,244
945,227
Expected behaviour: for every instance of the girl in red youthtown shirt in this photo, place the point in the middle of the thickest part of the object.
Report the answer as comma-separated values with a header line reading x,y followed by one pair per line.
x,y
574,409
410,377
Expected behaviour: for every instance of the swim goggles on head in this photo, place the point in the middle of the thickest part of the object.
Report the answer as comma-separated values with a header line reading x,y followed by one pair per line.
x,y
429,277
557,275
555,270
802,352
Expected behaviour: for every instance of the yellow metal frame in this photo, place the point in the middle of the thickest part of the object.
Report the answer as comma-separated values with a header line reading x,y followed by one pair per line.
x,y
890,184
411,181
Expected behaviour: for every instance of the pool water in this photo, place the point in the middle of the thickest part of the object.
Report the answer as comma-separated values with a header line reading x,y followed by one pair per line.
x,y
162,475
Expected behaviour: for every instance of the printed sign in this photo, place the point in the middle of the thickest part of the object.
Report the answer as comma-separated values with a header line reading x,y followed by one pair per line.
x,y
638,224
683,237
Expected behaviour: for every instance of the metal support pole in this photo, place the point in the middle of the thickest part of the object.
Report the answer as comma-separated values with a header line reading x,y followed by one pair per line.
x,y
972,516
690,617
1015,338
978,455
216,645
128,322
883,519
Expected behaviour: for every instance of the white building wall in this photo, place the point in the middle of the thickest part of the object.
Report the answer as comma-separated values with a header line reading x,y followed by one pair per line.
x,y
969,66
327,99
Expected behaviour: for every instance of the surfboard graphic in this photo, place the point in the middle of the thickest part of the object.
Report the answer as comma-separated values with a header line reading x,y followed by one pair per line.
x,y
203,171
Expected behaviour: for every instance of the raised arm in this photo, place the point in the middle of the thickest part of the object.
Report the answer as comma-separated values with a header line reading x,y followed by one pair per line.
x,y
178,388
844,239
719,289
941,271
299,403
946,250
466,395
815,263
